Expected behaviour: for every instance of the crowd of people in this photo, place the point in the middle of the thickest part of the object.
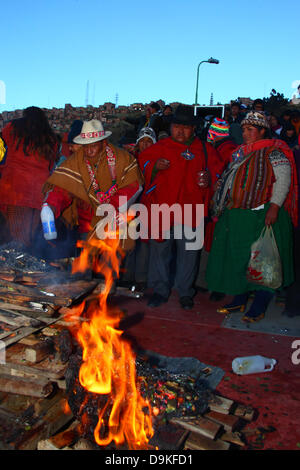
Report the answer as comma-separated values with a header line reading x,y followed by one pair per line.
x,y
241,169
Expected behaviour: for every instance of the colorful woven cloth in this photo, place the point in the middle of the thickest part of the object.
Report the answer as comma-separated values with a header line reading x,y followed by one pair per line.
x,y
218,128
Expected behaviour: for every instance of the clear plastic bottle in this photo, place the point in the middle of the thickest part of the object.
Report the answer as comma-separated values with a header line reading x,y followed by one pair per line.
x,y
48,222
252,365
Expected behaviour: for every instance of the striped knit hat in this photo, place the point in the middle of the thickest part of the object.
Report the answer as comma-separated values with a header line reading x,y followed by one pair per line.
x,y
218,128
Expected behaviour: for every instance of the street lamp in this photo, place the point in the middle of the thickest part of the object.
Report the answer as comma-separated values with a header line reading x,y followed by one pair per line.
x,y
209,61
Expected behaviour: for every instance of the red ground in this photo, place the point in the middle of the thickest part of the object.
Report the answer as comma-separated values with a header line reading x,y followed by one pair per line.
x,y
174,332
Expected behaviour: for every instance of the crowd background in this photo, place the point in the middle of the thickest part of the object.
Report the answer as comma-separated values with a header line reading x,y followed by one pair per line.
x,y
30,151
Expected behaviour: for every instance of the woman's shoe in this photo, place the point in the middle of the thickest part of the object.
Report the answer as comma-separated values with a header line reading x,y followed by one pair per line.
x,y
238,304
248,318
231,308
259,306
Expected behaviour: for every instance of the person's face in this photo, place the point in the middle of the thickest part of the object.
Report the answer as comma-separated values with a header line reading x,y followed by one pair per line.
x,y
258,107
273,121
181,133
144,143
74,147
251,134
167,111
290,133
235,110
92,150
148,112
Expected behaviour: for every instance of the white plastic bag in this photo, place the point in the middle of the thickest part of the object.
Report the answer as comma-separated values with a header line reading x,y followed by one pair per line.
x,y
265,267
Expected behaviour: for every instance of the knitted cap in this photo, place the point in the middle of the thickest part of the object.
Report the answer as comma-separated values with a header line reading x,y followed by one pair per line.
x,y
147,132
255,118
218,128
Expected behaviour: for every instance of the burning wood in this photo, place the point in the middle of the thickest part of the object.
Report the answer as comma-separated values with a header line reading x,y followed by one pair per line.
x,y
116,396
119,398
103,386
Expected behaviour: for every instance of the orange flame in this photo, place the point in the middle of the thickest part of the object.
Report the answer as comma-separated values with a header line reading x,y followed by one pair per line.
x,y
108,366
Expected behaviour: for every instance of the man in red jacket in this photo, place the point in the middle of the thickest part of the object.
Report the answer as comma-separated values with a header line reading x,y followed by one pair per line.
x,y
179,170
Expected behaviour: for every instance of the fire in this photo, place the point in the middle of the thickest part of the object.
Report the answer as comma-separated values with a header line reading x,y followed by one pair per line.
x,y
108,366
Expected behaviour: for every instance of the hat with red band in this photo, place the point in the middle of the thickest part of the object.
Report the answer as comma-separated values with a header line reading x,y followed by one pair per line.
x,y
92,131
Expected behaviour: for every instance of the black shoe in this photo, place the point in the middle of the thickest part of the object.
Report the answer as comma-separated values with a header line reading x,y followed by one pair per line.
x,y
186,302
203,290
140,286
216,296
156,300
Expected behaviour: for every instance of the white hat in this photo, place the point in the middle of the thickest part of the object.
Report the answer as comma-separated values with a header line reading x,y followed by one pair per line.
x,y
92,131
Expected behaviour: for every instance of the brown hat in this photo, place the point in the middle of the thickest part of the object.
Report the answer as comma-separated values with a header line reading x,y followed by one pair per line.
x,y
255,118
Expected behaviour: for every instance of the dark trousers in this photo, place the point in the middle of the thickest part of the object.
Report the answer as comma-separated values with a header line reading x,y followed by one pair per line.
x,y
136,263
186,266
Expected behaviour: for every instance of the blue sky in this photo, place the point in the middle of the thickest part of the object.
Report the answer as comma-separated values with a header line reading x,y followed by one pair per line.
x,y
146,51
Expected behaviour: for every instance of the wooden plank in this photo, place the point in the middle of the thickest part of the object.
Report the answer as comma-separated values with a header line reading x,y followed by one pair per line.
x,y
22,319
15,336
38,352
200,425
7,330
230,422
22,309
221,404
73,289
16,287
84,444
22,386
14,319
245,412
233,438
30,340
63,439
51,371
55,418
41,406
20,299
15,360
197,441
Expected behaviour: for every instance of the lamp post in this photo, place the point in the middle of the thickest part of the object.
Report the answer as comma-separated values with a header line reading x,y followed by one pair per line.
x,y
209,61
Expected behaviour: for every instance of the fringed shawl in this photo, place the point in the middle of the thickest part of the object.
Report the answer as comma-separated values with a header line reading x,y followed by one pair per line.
x,y
73,176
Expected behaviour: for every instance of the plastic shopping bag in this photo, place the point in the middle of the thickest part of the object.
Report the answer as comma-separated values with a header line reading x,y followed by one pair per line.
x,y
265,267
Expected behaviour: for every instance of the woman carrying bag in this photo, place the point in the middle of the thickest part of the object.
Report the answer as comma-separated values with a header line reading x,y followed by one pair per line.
x,y
259,188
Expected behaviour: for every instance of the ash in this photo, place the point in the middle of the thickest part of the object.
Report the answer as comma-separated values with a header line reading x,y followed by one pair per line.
x,y
169,394
172,394
15,256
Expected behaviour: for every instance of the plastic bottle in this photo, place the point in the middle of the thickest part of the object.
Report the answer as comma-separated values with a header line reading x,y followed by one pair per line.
x,y
48,222
252,365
